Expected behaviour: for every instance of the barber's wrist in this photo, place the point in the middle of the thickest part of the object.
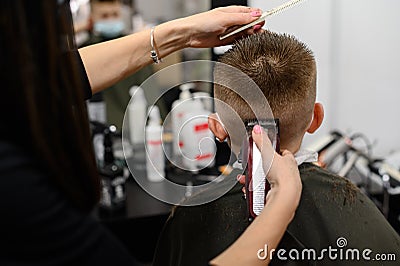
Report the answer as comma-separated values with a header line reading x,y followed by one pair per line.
x,y
283,211
185,30
287,199
171,36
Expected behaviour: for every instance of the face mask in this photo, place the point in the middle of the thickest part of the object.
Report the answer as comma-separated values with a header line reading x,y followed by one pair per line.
x,y
109,28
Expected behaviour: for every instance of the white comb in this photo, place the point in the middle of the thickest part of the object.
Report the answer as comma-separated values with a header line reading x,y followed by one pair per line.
x,y
264,15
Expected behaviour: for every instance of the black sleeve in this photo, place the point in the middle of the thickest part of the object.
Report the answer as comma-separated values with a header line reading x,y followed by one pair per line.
x,y
87,90
39,226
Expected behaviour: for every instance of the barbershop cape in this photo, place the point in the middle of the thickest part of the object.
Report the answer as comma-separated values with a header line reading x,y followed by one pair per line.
x,y
332,214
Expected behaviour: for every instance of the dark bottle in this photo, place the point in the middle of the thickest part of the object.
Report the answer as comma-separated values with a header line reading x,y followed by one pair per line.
x,y
113,193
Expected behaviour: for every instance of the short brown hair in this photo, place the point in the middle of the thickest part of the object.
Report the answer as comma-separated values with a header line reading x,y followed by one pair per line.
x,y
285,71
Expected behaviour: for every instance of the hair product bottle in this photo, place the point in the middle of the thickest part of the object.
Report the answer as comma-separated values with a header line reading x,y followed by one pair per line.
x,y
137,115
199,146
155,159
178,110
96,108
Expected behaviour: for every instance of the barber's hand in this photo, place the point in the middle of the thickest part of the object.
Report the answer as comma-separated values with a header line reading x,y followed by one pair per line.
x,y
283,174
205,28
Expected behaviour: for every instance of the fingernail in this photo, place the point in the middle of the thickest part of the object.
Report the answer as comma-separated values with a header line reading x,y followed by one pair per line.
x,y
238,177
255,13
257,129
257,27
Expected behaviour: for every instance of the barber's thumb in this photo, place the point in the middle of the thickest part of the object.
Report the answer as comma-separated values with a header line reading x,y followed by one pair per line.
x,y
263,143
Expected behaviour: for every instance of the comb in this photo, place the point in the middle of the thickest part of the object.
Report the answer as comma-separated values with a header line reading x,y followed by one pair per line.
x,y
264,15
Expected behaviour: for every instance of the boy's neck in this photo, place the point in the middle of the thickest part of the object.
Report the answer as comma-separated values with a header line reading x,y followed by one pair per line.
x,y
293,146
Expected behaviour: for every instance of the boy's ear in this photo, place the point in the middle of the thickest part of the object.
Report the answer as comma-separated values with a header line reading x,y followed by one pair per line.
x,y
318,117
216,127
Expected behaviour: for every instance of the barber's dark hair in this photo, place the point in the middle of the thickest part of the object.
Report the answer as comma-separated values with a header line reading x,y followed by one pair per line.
x,y
285,71
42,105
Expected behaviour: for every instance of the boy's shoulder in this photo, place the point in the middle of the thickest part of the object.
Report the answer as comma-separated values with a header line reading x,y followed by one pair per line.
x,y
231,205
332,208
321,185
193,235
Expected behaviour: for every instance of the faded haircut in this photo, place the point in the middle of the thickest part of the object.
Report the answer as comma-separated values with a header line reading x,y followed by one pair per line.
x,y
285,71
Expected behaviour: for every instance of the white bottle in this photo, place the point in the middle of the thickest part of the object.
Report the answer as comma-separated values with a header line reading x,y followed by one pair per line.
x,y
155,160
199,149
178,110
205,98
137,115
96,107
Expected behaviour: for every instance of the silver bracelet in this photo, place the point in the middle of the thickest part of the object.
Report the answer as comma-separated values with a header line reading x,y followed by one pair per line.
x,y
153,52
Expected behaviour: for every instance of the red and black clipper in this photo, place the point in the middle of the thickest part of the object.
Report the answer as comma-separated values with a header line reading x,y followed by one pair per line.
x,y
256,184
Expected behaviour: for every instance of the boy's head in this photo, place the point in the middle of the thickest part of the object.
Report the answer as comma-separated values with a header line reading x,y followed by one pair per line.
x,y
285,71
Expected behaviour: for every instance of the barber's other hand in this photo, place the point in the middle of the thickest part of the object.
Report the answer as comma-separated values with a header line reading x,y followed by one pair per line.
x,y
204,29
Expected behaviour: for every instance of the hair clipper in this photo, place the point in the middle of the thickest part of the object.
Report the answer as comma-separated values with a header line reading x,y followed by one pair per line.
x,y
256,184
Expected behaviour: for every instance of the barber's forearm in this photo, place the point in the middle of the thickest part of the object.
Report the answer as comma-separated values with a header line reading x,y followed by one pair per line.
x,y
266,230
109,62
